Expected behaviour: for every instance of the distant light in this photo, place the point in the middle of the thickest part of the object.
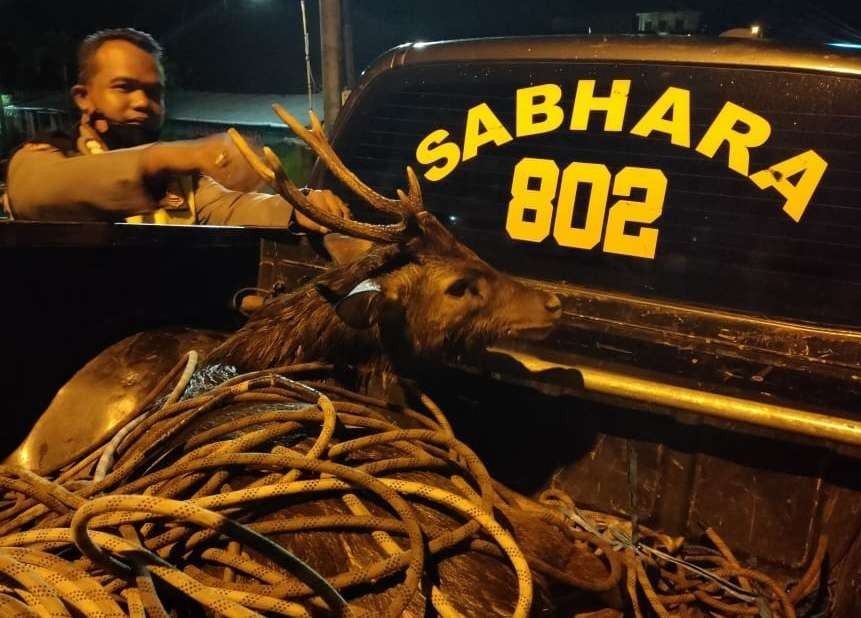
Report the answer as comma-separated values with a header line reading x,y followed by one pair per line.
x,y
846,45
453,219
754,29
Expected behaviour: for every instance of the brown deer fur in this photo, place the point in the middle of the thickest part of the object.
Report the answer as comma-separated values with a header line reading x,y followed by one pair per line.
x,y
432,298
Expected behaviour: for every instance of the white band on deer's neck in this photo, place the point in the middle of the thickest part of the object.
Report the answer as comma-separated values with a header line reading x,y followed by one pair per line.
x,y
368,285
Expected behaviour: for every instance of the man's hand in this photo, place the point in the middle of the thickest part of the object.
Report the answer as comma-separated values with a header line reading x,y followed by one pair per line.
x,y
326,201
215,155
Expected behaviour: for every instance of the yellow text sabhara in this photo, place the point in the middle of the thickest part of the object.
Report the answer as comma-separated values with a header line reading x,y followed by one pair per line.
x,y
539,109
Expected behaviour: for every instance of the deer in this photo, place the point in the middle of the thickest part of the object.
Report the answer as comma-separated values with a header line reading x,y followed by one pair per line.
x,y
398,292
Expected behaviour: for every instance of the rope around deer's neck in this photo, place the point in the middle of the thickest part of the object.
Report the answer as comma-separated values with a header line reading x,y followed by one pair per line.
x,y
165,517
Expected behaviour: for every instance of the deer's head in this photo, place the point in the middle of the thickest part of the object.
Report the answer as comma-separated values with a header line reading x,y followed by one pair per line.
x,y
398,291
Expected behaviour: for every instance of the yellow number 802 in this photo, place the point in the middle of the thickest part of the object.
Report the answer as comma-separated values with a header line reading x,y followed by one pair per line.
x,y
536,183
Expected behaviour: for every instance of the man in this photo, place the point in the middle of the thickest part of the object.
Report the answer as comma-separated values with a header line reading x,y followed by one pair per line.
x,y
114,169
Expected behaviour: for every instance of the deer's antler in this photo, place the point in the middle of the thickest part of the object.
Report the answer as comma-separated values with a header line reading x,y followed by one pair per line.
x,y
316,139
273,173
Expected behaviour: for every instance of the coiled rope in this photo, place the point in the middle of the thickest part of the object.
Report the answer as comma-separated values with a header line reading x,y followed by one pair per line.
x,y
177,506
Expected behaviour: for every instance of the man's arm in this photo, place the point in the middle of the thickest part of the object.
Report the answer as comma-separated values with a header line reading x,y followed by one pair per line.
x,y
44,184
219,206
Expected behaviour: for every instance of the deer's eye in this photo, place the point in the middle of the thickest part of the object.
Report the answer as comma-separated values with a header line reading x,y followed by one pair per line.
x,y
458,288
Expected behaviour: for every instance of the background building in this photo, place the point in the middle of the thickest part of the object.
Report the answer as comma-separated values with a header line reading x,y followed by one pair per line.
x,y
669,22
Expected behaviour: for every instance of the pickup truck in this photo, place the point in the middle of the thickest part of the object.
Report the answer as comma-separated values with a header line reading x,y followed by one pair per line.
x,y
696,205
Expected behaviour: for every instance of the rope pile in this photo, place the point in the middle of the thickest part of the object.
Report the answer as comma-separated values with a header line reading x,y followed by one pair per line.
x,y
172,513
675,579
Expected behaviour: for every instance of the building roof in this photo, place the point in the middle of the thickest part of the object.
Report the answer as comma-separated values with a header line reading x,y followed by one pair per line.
x,y
214,107
238,109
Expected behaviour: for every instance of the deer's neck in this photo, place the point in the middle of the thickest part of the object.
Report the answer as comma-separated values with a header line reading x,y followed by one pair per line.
x,y
297,328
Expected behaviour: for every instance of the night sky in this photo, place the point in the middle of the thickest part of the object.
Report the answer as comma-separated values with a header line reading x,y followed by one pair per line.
x,y
256,45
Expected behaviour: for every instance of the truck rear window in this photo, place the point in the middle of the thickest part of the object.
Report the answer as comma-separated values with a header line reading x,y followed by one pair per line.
x,y
737,188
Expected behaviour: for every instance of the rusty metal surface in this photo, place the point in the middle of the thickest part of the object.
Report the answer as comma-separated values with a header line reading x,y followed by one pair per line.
x,y
769,500
847,584
819,350
105,393
767,514
601,476
761,512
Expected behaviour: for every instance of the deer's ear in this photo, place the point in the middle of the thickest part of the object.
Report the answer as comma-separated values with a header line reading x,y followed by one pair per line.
x,y
346,249
363,306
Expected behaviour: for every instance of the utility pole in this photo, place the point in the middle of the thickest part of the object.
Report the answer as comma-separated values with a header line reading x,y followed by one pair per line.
x,y
330,42
349,61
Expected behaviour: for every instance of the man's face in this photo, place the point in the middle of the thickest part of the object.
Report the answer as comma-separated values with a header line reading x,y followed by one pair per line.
x,y
124,94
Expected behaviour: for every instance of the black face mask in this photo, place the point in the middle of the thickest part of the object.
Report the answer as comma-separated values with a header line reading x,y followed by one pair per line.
x,y
120,135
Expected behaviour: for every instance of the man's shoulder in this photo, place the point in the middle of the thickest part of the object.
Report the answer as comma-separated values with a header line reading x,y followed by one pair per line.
x,y
48,141
36,151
